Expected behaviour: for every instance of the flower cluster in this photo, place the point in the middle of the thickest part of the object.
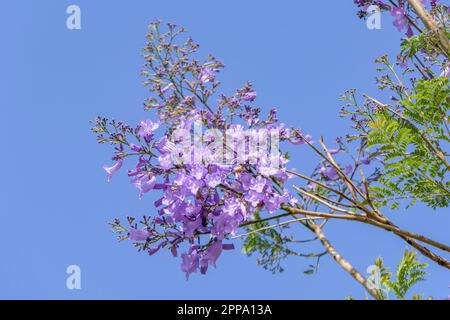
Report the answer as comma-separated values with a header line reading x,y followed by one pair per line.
x,y
209,186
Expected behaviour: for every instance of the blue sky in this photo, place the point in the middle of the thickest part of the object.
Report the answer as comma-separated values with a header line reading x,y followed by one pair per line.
x,y
55,201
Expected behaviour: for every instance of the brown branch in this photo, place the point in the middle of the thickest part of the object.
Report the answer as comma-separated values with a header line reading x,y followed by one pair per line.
x,y
403,233
350,185
344,263
322,201
341,194
427,253
409,237
431,25
274,226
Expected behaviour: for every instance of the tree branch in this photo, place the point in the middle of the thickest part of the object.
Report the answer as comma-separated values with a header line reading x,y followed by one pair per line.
x,y
431,24
344,263
409,237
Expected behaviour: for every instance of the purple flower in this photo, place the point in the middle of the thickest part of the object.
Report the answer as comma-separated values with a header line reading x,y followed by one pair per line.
x,y
245,179
213,180
165,146
144,183
174,251
329,173
111,170
190,215
206,75
138,235
254,198
334,151
194,185
198,171
251,115
273,167
152,250
211,255
140,167
249,96
165,161
186,183
135,148
299,139
190,262
272,203
401,21
146,129
226,224
228,246
227,220
233,102
258,184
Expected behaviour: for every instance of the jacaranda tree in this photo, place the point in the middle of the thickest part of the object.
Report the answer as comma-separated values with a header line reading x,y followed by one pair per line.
x,y
218,164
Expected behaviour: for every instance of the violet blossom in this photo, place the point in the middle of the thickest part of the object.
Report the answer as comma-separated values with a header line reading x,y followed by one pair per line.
x,y
206,75
190,262
147,128
138,235
401,21
112,170
202,202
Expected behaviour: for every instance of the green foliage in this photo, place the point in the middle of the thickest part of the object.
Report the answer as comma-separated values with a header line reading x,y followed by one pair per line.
x,y
409,138
270,245
420,43
413,45
408,273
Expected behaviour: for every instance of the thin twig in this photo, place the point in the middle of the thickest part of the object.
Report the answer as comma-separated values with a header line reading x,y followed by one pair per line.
x,y
275,226
329,205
